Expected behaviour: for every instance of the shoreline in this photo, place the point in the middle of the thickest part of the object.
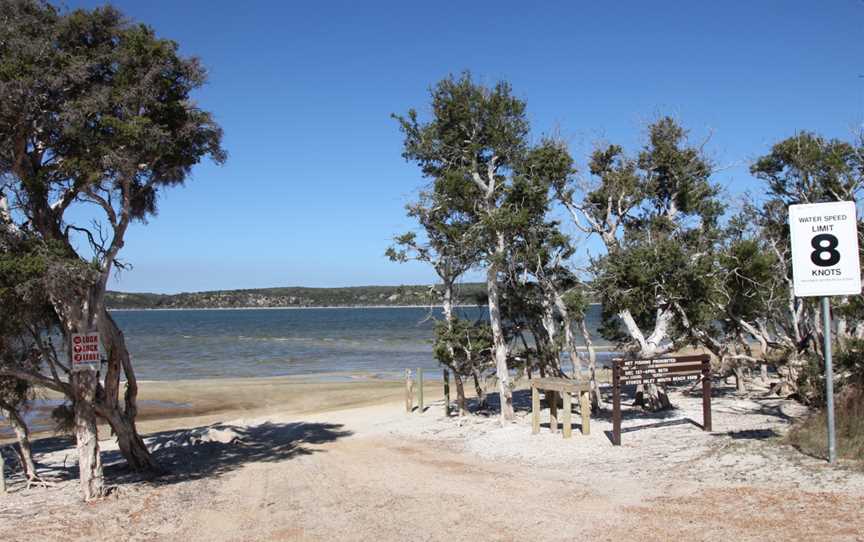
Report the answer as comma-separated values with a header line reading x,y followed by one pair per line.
x,y
289,308
461,306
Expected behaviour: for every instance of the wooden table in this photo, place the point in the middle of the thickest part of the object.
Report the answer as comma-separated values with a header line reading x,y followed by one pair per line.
x,y
552,387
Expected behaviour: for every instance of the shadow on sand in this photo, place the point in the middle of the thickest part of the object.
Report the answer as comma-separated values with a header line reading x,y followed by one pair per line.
x,y
202,452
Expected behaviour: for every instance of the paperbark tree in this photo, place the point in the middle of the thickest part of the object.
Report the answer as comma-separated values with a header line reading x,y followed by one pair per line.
x,y
450,247
475,142
94,111
805,168
23,313
657,216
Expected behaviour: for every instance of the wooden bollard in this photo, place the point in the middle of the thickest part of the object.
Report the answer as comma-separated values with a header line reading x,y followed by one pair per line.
x,y
535,410
567,418
420,389
409,391
585,411
446,376
2,474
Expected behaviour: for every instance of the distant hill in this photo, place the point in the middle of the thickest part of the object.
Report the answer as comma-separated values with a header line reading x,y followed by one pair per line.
x,y
355,296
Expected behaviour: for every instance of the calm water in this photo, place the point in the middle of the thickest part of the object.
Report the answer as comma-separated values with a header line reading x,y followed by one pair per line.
x,y
189,344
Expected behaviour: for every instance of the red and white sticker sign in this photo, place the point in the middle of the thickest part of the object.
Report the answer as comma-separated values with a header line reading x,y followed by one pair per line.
x,y
86,351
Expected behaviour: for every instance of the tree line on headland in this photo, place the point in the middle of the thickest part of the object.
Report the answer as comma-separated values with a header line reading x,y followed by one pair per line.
x,y
352,296
96,114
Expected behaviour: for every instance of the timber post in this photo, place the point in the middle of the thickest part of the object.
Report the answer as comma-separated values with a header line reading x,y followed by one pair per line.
x,y
552,399
565,387
420,389
409,392
616,402
2,474
706,395
585,411
567,419
446,376
535,410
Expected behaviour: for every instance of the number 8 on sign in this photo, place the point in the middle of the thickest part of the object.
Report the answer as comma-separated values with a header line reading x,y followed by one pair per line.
x,y
823,244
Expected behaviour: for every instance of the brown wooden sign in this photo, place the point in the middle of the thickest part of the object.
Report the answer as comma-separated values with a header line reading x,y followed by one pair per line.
x,y
672,370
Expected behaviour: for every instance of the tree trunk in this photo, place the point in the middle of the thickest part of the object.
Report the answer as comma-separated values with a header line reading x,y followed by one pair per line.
x,y
122,421
89,460
740,386
22,432
478,389
575,360
92,315
763,370
502,371
549,346
596,399
460,394
446,378
2,473
650,396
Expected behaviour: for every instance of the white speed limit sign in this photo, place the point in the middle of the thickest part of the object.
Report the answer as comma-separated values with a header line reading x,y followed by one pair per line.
x,y
825,249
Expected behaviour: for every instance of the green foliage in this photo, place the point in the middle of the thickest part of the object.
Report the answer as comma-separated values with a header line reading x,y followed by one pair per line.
x,y
848,362
471,125
26,311
808,168
665,255
94,108
463,345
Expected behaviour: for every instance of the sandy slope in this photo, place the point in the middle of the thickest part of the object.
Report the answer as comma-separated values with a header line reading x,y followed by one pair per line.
x,y
375,472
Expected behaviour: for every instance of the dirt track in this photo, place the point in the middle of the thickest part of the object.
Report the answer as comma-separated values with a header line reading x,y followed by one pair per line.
x,y
376,473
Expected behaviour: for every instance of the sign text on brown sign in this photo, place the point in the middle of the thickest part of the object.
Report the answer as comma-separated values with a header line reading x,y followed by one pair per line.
x,y
659,371
675,370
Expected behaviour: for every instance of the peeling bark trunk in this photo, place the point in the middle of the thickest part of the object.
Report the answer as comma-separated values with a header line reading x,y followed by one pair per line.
x,y
86,436
502,371
651,396
550,345
460,394
22,433
740,385
122,421
478,389
78,317
2,473
575,359
596,399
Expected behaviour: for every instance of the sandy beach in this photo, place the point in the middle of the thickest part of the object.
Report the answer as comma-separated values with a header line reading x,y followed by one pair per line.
x,y
299,459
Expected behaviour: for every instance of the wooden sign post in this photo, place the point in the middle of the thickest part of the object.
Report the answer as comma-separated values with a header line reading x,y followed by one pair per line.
x,y
676,370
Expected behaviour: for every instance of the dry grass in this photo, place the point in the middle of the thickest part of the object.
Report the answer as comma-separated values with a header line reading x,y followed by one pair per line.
x,y
810,436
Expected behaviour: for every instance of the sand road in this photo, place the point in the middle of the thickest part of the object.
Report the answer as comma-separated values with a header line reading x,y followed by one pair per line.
x,y
375,473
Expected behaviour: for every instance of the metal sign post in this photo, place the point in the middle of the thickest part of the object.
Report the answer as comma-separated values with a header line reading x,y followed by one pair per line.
x,y
829,381
825,262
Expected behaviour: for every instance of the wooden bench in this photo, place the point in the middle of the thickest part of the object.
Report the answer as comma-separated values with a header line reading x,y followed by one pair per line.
x,y
552,387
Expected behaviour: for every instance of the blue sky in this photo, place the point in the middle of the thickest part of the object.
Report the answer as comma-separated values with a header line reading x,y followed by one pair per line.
x,y
315,185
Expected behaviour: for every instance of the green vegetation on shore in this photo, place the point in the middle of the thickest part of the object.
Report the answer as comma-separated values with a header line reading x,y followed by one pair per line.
x,y
354,296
